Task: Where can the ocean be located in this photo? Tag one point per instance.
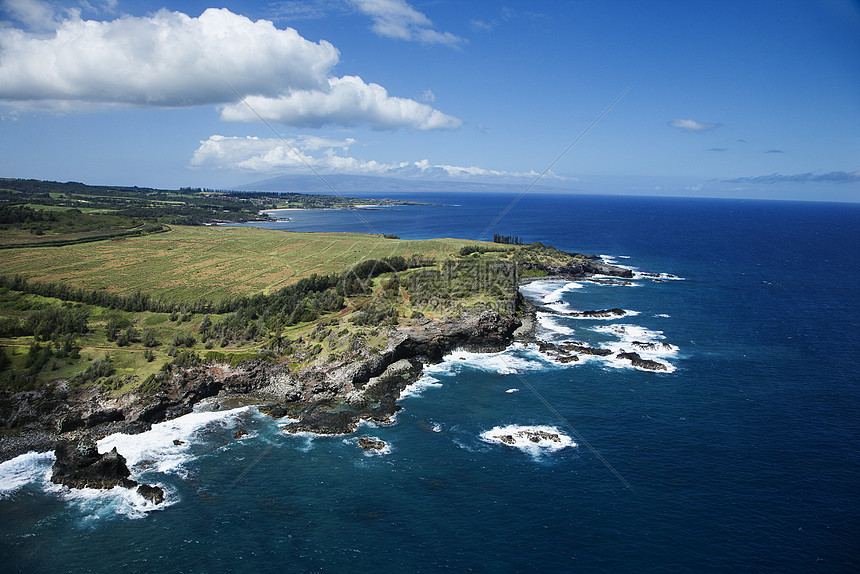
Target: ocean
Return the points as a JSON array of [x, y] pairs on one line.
[[744, 455]]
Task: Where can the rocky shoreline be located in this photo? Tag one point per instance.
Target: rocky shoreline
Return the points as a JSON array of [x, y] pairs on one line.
[[328, 398]]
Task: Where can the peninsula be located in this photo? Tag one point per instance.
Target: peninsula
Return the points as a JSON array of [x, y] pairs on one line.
[[118, 333]]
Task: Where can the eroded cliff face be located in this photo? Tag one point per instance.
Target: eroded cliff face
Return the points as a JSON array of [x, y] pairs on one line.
[[330, 396]]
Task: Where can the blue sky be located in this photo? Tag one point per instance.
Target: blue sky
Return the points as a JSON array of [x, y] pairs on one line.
[[726, 98]]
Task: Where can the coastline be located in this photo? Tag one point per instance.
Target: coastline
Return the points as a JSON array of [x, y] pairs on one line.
[[330, 398]]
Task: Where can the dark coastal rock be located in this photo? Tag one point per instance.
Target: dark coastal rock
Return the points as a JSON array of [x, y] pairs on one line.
[[320, 419], [240, 433], [539, 435], [602, 313], [592, 314], [586, 350], [603, 281], [531, 435], [582, 348], [638, 361], [71, 422], [651, 346], [80, 465], [105, 416], [371, 443], [586, 267], [276, 410], [154, 494]]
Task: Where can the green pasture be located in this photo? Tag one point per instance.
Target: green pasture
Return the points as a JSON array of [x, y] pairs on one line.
[[214, 262]]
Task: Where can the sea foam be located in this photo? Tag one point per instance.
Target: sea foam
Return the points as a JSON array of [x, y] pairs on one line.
[[30, 468], [417, 388], [647, 343], [534, 440], [517, 358], [549, 291], [166, 447], [35, 469], [97, 504]]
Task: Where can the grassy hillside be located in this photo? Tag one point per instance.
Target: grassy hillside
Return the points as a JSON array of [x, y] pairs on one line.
[[188, 263], [285, 296]]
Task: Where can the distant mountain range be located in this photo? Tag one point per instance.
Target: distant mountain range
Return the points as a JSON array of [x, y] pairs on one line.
[[368, 183]]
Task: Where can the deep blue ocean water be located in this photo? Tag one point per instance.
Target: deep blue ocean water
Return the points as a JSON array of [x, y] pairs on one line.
[[743, 458]]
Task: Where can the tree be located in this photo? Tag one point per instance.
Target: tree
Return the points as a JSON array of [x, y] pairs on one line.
[[5, 361]]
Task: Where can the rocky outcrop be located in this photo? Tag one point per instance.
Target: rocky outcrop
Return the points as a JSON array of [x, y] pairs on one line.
[[592, 314], [580, 267], [638, 361], [371, 443], [567, 351], [530, 435], [154, 494], [80, 465]]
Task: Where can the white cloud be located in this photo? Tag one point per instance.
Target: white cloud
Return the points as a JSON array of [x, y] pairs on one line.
[[397, 19], [269, 155], [693, 125], [170, 59], [348, 101], [42, 16], [273, 155]]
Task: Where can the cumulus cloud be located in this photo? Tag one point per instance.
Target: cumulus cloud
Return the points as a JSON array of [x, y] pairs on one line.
[[809, 177], [347, 101], [170, 59], [270, 155], [273, 155], [397, 19], [693, 125]]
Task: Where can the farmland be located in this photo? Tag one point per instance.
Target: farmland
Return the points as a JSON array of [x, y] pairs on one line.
[[278, 289], [188, 263]]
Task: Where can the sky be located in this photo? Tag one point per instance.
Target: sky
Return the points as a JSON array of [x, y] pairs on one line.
[[706, 98]]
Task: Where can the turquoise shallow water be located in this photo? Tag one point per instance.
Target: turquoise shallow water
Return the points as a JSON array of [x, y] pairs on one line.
[[744, 457]]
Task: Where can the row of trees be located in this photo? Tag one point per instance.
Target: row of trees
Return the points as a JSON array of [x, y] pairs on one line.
[[244, 318], [507, 239]]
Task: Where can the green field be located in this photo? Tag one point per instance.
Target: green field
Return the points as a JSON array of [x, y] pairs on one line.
[[189, 263], [107, 289]]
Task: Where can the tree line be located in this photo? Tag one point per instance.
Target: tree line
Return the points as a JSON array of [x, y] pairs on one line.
[[507, 239]]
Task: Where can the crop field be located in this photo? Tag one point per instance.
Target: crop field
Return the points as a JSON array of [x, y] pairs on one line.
[[188, 263]]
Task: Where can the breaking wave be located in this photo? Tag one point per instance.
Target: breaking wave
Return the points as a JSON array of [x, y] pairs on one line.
[[536, 441]]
